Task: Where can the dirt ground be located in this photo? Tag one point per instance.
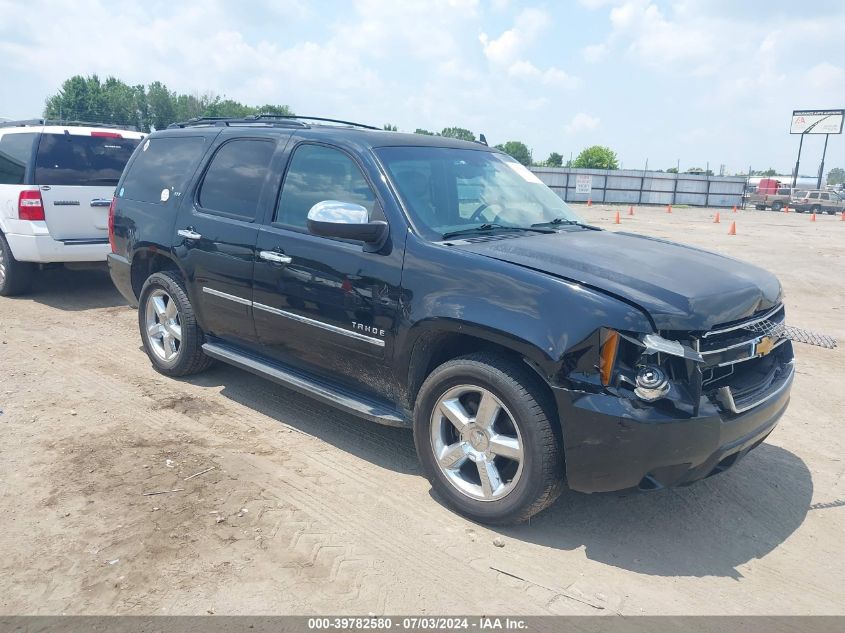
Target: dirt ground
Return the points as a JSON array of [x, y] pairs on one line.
[[308, 510]]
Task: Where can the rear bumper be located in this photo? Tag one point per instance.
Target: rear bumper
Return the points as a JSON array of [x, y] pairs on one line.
[[43, 249], [120, 271], [614, 443]]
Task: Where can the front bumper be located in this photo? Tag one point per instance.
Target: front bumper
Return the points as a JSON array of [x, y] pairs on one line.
[[43, 249], [614, 443]]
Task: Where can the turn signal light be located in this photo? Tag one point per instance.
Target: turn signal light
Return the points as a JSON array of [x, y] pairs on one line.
[[609, 346], [30, 206]]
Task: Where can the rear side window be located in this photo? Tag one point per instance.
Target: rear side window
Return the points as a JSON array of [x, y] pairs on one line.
[[70, 159], [233, 182], [825, 196], [162, 164], [15, 154], [318, 173]]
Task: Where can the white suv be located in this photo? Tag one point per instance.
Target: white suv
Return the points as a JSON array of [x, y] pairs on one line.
[[56, 183]]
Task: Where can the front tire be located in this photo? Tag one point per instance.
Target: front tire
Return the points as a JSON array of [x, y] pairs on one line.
[[485, 440], [169, 331], [15, 276], [777, 205]]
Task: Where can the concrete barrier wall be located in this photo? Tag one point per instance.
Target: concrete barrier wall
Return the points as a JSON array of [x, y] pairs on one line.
[[629, 186]]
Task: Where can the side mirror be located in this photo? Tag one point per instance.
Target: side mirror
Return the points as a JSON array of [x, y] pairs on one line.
[[346, 221]]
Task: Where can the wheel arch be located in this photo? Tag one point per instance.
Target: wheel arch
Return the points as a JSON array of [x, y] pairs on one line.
[[149, 260], [435, 344]]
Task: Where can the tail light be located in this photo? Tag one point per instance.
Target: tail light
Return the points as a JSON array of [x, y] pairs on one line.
[[111, 225], [30, 206], [107, 134]]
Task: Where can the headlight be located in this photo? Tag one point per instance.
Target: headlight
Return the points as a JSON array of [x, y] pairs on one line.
[[652, 383]]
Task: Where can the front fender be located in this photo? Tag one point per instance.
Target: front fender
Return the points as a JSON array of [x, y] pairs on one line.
[[536, 315]]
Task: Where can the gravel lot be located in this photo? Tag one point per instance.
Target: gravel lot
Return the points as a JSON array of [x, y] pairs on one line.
[[308, 510]]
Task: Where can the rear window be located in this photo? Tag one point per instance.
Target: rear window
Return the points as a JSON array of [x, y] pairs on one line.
[[801, 194], [162, 165], [15, 153], [784, 192], [70, 159]]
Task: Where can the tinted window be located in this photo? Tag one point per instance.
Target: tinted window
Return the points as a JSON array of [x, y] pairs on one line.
[[69, 159], [814, 195], [235, 177], [801, 194], [162, 163], [320, 173], [15, 152], [825, 196]]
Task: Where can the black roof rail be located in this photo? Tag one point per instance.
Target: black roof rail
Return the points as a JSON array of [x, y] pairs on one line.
[[319, 119], [41, 122], [281, 120]]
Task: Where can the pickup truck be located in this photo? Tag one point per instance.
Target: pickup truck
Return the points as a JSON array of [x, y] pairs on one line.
[[774, 201]]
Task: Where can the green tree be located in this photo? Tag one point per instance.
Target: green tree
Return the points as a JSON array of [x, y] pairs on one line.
[[597, 157], [768, 173], [419, 130], [554, 160], [389, 127], [836, 176], [672, 170], [154, 107], [517, 150], [458, 133]]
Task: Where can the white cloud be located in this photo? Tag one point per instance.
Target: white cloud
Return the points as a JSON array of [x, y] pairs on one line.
[[595, 52], [506, 48], [581, 122]]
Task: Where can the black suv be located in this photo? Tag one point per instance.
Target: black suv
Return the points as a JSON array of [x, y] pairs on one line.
[[437, 284]]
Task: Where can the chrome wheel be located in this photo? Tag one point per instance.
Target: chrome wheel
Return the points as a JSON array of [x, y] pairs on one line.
[[476, 443], [164, 325]]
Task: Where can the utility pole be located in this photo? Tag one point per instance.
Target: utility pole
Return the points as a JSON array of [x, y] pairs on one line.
[[821, 167]]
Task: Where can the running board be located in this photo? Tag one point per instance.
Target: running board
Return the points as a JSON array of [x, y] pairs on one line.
[[339, 397]]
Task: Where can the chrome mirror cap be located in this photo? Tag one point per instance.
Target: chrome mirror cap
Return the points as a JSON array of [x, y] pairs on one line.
[[337, 212]]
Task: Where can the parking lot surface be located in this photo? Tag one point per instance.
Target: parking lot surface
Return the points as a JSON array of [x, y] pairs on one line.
[[308, 510]]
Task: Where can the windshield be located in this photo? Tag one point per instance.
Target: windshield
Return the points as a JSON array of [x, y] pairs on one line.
[[447, 190]]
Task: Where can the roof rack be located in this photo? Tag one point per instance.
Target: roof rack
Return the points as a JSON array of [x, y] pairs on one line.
[[41, 122], [281, 120]]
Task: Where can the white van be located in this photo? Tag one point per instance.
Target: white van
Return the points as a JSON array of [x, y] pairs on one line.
[[57, 181]]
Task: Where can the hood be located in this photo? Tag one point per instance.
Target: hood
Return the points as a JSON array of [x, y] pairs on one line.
[[680, 287]]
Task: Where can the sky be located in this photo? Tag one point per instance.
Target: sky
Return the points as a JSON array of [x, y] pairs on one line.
[[700, 81]]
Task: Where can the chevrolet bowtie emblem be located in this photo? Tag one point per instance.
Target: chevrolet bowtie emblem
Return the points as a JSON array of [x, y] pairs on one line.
[[764, 346]]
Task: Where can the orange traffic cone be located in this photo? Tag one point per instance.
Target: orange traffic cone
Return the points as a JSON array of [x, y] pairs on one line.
[[618, 221], [716, 220], [733, 229], [734, 208], [786, 209], [813, 218], [843, 216], [631, 210], [589, 202], [668, 208]]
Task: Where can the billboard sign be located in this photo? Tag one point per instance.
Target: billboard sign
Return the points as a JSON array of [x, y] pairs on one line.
[[817, 121], [583, 184]]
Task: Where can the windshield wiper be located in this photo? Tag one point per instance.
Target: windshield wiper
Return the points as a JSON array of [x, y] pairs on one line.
[[488, 226], [559, 222]]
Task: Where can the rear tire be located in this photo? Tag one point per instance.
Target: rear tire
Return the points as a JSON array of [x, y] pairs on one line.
[[15, 276], [506, 463], [169, 331]]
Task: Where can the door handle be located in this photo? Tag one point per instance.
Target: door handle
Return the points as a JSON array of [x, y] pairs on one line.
[[188, 234], [100, 202], [276, 258]]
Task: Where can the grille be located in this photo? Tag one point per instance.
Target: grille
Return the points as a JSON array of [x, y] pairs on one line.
[[746, 362]]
